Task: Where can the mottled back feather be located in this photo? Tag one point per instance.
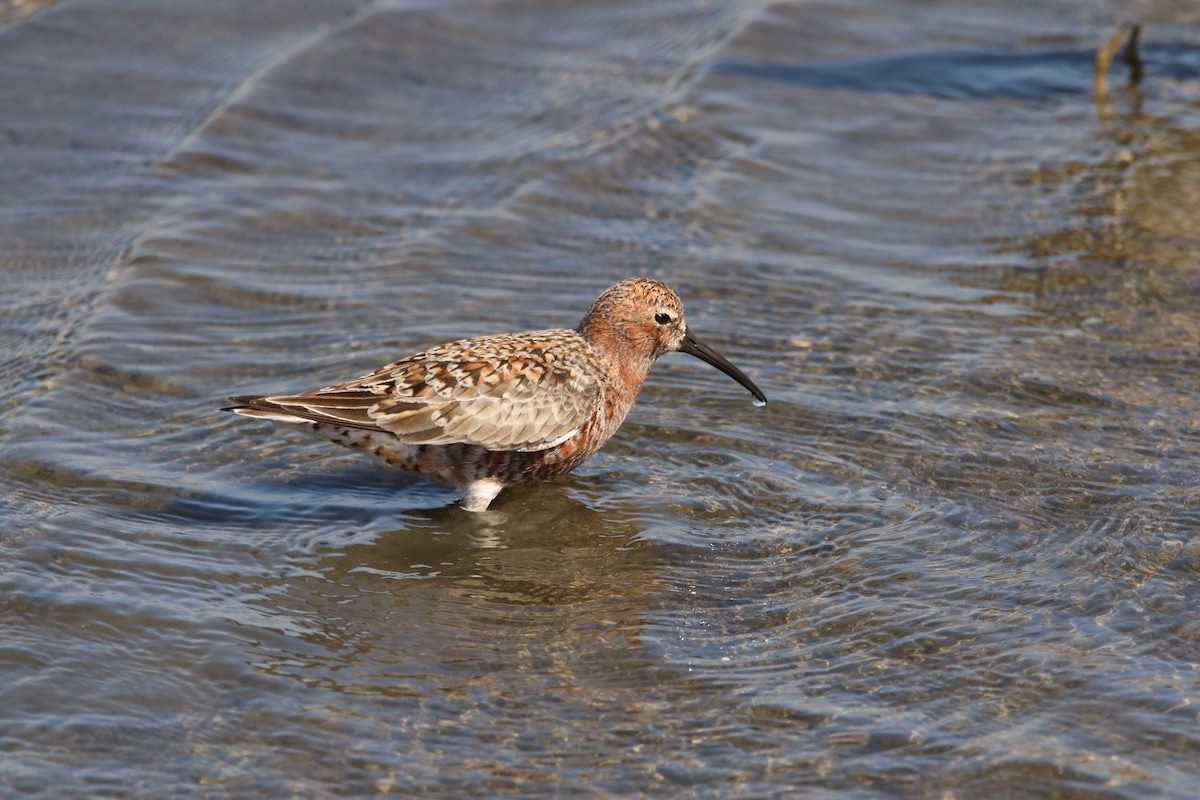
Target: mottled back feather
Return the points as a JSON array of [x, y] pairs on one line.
[[522, 392]]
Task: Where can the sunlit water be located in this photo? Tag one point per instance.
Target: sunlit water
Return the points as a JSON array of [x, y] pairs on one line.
[[954, 557]]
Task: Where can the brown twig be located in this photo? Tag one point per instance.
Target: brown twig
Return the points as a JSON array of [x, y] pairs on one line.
[[1104, 57], [1132, 58]]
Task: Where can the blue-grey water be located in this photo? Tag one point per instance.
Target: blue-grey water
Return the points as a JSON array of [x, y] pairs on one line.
[[955, 557]]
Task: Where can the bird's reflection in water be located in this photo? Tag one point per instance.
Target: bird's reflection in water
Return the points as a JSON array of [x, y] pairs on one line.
[[540, 545], [545, 579]]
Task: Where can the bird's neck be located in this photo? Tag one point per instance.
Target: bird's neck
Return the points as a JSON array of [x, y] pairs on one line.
[[626, 363]]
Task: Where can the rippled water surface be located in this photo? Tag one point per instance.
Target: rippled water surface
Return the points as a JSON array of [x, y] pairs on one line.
[[955, 557]]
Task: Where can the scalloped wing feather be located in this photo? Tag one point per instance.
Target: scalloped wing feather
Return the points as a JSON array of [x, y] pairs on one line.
[[522, 392]]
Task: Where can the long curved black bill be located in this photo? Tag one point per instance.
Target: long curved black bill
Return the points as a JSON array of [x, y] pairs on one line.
[[694, 347]]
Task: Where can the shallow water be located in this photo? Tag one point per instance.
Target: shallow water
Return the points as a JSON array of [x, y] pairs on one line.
[[954, 557]]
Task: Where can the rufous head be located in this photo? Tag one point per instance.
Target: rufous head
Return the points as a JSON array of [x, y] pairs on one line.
[[644, 315], [643, 318]]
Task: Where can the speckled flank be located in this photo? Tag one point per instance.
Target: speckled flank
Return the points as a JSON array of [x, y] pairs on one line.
[[495, 411]]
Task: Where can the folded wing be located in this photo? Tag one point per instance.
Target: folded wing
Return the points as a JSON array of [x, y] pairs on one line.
[[521, 392]]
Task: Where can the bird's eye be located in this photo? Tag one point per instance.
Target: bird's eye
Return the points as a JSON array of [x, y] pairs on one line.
[[662, 318]]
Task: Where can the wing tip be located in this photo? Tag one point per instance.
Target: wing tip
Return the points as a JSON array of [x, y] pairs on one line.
[[298, 409], [241, 402]]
